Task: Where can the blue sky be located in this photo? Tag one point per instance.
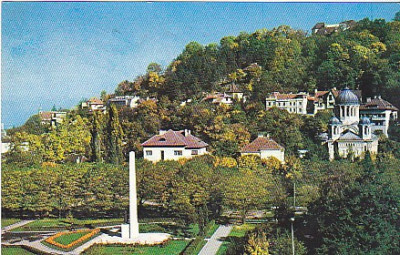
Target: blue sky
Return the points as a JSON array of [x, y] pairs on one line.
[[59, 53]]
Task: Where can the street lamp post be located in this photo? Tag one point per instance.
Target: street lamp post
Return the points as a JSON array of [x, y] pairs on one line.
[[292, 220]]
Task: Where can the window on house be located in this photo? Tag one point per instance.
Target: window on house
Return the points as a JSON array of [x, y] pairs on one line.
[[195, 152], [149, 153], [178, 153]]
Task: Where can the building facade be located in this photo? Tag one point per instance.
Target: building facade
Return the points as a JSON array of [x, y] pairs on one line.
[[173, 145], [349, 135], [264, 147], [380, 112], [293, 103]]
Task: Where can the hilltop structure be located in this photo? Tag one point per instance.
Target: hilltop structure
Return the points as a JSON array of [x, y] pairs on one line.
[[93, 104], [52, 118], [326, 29], [349, 135], [173, 145]]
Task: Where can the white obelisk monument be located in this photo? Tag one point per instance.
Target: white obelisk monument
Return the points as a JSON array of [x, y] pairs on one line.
[[131, 230]]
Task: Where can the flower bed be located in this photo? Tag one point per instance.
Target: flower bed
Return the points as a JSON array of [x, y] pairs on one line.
[[89, 233]]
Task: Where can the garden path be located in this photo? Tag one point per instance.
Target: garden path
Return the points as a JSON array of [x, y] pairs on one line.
[[216, 241], [15, 225]]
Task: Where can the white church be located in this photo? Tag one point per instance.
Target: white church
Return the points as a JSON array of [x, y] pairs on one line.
[[348, 133]]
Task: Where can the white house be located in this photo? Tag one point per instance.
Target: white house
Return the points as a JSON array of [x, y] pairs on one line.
[[173, 145], [349, 134], [264, 147], [380, 112], [293, 103]]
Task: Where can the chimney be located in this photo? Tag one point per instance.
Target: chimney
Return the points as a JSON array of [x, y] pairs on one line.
[[379, 97], [161, 132], [368, 99], [374, 97], [315, 91], [187, 132], [260, 135]]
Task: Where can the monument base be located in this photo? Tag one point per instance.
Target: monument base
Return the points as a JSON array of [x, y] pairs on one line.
[[141, 239]]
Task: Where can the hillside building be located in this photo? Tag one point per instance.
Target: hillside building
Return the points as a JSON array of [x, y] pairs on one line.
[[129, 101], [173, 145], [264, 147], [93, 104], [380, 112], [293, 103], [326, 29], [52, 118]]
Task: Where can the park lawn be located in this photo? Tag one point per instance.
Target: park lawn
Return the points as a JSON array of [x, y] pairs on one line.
[[240, 231], [62, 223], [173, 229], [69, 238], [7, 222], [14, 251], [173, 247]]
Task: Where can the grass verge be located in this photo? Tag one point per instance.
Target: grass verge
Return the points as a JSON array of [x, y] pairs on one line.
[[7, 222]]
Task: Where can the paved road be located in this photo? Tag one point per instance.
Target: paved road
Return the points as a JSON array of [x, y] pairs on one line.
[[215, 241], [15, 225]]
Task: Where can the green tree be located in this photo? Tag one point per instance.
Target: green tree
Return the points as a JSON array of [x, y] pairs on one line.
[[245, 191], [360, 220], [114, 137]]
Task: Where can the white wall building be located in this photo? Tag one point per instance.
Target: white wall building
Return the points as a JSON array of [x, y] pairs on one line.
[[264, 147], [348, 134], [293, 103], [380, 112], [173, 145]]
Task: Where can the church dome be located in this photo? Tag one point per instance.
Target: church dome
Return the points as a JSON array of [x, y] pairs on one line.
[[334, 120], [365, 120], [346, 96]]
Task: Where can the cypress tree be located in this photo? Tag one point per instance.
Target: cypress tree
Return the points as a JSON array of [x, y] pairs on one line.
[[95, 142], [114, 137]]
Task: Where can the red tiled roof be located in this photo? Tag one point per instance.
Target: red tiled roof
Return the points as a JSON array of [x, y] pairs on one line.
[[261, 143], [45, 115], [173, 138], [321, 93], [95, 101], [379, 104]]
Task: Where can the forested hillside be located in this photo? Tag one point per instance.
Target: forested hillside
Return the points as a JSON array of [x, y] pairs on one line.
[[365, 57]]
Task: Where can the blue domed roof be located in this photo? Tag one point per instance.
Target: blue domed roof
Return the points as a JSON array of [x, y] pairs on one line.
[[334, 120], [346, 96], [365, 120]]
